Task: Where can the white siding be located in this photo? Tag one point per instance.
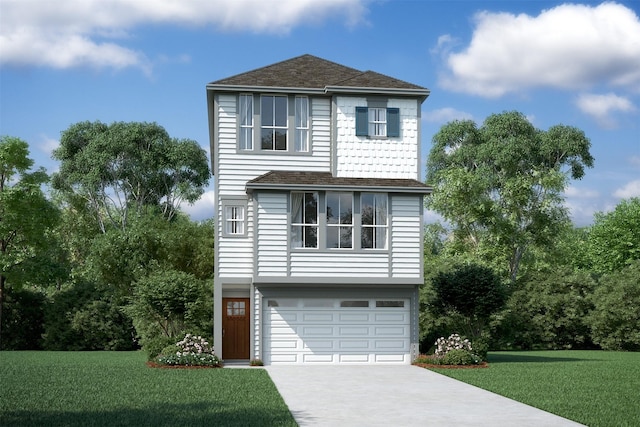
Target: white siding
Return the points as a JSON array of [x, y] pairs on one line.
[[366, 157], [271, 235], [235, 169], [406, 245], [235, 254], [339, 264]]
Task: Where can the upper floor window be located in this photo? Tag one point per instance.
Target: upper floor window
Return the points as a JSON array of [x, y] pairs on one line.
[[304, 220], [377, 122], [373, 211], [274, 115], [339, 220], [302, 124], [246, 122]]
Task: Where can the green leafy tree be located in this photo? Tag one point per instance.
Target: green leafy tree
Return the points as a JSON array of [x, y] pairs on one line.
[[500, 185], [26, 216], [169, 303], [614, 238], [615, 320], [113, 170], [468, 295]]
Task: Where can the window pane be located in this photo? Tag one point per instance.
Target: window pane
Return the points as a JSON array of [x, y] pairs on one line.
[[246, 110], [332, 237], [381, 237], [302, 140], [267, 139], [280, 107], [383, 304], [281, 139], [310, 237], [302, 112], [367, 208], [346, 240], [367, 238], [266, 110], [310, 208], [354, 303]]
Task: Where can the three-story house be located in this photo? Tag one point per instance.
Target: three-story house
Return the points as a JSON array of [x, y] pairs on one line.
[[319, 214]]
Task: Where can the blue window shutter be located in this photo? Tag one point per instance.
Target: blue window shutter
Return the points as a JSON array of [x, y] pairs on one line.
[[362, 121], [393, 122]]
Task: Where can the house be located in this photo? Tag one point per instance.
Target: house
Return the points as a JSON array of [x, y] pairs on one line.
[[319, 214]]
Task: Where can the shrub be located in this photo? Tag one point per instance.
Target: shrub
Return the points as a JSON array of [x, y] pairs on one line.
[[458, 357], [454, 342], [256, 362], [615, 320], [191, 351], [22, 320]]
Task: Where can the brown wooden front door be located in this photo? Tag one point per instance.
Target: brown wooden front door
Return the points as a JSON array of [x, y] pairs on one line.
[[235, 328]]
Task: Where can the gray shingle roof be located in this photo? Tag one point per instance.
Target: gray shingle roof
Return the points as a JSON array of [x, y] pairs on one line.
[[291, 180], [311, 72]]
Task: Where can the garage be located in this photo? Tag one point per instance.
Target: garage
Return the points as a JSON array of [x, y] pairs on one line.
[[336, 331]]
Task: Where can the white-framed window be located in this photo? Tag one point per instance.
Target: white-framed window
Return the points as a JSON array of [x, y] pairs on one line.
[[302, 124], [339, 220], [374, 217], [377, 122], [246, 122], [234, 218], [274, 122], [304, 220]]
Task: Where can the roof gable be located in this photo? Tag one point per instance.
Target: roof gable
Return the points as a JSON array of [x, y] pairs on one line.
[[310, 72]]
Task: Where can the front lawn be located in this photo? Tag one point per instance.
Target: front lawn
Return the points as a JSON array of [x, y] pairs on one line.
[[596, 388], [117, 388]]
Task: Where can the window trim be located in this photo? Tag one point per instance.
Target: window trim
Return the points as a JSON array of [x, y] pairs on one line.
[[234, 203]]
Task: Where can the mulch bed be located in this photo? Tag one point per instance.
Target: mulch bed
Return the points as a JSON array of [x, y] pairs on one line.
[[433, 366], [161, 366]]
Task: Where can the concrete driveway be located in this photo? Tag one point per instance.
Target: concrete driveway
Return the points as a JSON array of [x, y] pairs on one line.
[[396, 396]]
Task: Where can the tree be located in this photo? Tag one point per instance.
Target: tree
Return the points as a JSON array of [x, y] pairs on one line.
[[500, 186], [26, 216], [614, 238], [469, 292], [113, 170]]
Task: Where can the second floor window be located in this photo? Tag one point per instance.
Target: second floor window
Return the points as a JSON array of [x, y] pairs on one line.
[[374, 221], [234, 217], [378, 122], [304, 220], [273, 112], [339, 220]]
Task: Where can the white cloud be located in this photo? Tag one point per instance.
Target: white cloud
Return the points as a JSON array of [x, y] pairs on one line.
[[445, 115], [601, 107], [92, 33], [569, 46], [581, 193], [47, 145], [631, 189], [203, 208]]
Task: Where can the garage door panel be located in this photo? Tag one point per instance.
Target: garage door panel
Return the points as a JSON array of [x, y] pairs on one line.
[[354, 358], [318, 317], [396, 331], [282, 344], [318, 358], [390, 317], [313, 331], [319, 345], [353, 330], [390, 344], [283, 316], [354, 317]]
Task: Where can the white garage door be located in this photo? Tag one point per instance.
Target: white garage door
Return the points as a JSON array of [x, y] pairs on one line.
[[321, 331]]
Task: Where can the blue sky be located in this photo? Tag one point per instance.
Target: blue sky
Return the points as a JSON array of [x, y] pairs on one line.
[[576, 64]]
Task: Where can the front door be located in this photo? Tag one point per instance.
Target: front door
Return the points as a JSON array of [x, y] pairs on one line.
[[235, 328]]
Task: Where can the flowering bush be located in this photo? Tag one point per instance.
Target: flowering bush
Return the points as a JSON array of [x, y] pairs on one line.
[[454, 351], [454, 342], [191, 351]]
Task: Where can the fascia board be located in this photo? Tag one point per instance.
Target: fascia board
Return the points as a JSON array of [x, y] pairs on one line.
[[266, 89], [297, 187]]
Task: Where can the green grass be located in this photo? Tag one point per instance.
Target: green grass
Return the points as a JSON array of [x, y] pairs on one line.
[[595, 388], [118, 389]]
